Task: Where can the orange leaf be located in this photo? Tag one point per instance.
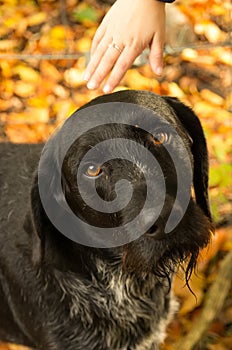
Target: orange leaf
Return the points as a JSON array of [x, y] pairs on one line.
[[49, 71], [22, 133]]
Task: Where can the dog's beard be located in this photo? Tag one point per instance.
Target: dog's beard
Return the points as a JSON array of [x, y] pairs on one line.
[[181, 246]]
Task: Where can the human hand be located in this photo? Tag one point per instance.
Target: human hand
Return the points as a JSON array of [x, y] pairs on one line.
[[126, 30]]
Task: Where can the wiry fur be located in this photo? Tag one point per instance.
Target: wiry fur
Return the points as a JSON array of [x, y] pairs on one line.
[[56, 294]]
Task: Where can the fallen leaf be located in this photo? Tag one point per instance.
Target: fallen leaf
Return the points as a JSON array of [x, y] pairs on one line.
[[24, 89], [37, 18], [210, 30], [49, 71], [211, 97], [74, 77], [26, 73], [135, 80], [23, 133]]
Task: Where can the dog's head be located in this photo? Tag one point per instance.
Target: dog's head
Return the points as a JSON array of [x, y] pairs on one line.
[[173, 226]]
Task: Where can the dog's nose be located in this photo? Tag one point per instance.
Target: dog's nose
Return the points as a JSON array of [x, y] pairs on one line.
[[158, 229]]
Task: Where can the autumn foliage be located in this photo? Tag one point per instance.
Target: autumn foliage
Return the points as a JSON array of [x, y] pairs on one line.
[[44, 48]]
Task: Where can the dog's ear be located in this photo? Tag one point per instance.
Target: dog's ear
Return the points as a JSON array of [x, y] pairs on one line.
[[193, 126], [35, 224]]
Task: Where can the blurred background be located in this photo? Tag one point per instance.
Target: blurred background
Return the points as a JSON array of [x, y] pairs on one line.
[[44, 48]]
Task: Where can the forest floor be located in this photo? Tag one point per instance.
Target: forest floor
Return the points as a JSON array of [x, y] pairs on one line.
[[44, 48]]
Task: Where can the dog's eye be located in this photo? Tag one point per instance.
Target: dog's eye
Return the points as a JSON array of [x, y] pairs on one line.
[[93, 170], [160, 138]]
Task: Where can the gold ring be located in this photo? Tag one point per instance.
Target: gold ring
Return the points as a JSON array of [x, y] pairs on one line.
[[114, 46]]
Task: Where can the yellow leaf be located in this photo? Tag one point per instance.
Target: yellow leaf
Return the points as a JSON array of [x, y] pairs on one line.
[[24, 89], [37, 18], [38, 102], [6, 69], [58, 38], [189, 55], [8, 45], [60, 91], [223, 55], [27, 74], [74, 77], [62, 109], [175, 90], [83, 44], [135, 80], [212, 97], [7, 88], [211, 31], [204, 108]]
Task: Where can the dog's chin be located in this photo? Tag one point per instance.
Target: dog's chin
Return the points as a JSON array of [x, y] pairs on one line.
[[141, 256], [158, 255]]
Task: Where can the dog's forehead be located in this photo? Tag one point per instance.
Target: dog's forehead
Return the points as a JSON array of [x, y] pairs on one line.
[[124, 114]]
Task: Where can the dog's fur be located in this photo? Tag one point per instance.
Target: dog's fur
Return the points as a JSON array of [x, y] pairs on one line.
[[56, 294]]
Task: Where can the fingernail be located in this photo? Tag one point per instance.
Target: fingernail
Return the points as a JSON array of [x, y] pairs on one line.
[[91, 85], [86, 76], [107, 89], [159, 70]]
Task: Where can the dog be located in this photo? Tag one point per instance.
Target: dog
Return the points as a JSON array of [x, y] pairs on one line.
[[57, 293]]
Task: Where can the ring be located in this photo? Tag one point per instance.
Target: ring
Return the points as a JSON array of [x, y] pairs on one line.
[[114, 46]]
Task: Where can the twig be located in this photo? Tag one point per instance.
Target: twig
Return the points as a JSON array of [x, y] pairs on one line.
[[215, 299]]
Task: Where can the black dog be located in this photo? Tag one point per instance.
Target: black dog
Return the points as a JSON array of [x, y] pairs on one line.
[[58, 294]]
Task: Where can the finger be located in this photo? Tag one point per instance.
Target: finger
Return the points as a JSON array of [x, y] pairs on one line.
[[104, 67], [95, 60], [98, 36], [156, 54], [123, 63]]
